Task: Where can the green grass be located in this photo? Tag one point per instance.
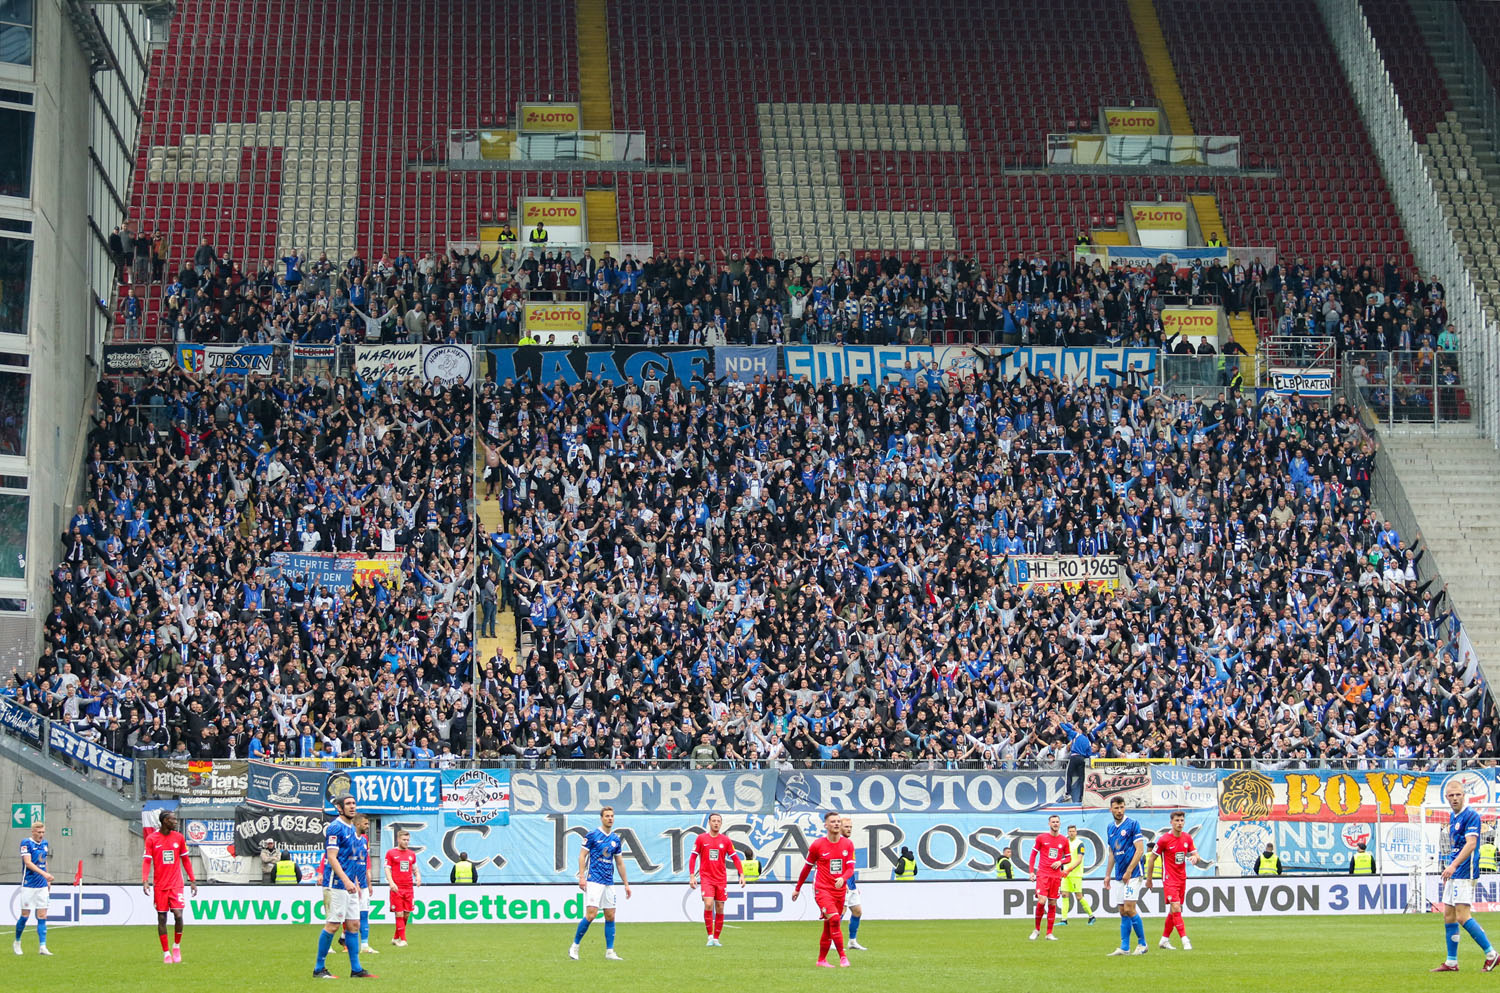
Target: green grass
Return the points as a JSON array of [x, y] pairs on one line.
[[1285, 955]]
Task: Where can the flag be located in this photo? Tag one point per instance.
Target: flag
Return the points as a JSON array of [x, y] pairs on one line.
[[78, 876]]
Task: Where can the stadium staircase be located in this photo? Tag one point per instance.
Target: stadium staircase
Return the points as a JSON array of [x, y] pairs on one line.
[[1451, 481], [1241, 326], [491, 520], [1159, 63], [593, 65]]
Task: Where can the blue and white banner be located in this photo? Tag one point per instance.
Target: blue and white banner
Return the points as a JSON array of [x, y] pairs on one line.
[[1181, 258], [746, 362], [327, 569], [287, 787], [1305, 382], [209, 832], [448, 364], [1100, 366], [388, 791], [82, 750], [872, 365], [476, 796], [693, 367], [240, 360], [1179, 786], [913, 791], [742, 791], [16, 718]]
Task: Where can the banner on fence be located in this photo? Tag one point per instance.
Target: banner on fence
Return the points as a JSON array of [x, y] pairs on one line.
[[957, 791], [693, 367], [746, 362], [1304, 382], [373, 363], [126, 359], [253, 824], [1128, 781], [1141, 256], [239, 360], [1179, 786], [642, 792], [448, 364], [287, 787], [388, 791], [1051, 572], [80, 749], [476, 796], [209, 832], [19, 720], [1340, 796], [205, 779]]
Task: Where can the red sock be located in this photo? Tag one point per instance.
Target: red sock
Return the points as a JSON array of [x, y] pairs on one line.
[[1051, 916], [163, 937], [1181, 926], [708, 921], [836, 926], [1168, 925], [178, 939], [1039, 905], [718, 923], [824, 942]]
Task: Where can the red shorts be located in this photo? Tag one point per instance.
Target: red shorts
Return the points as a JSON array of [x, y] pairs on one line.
[[1172, 892], [401, 901], [1047, 887], [831, 902], [714, 891], [167, 899]]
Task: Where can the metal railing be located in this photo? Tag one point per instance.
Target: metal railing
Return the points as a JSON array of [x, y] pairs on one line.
[[1159, 150], [1412, 388], [493, 146]]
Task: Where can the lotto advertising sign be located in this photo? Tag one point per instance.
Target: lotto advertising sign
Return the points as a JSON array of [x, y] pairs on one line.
[[1159, 216], [549, 117], [563, 218], [1132, 120], [1194, 322], [566, 318]]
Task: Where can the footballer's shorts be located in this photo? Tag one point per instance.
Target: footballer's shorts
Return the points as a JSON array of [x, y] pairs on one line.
[[1458, 891], [1124, 890], [1047, 887], [717, 892], [851, 899], [35, 898], [1072, 884], [830, 902], [167, 899], [401, 901], [341, 906], [601, 895], [1173, 892]]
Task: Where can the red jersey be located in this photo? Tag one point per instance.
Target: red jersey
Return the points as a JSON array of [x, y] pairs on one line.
[[400, 867], [1049, 855], [711, 857], [834, 859], [166, 854], [1175, 850]]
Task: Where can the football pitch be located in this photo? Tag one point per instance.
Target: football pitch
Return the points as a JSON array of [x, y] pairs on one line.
[[1285, 955]]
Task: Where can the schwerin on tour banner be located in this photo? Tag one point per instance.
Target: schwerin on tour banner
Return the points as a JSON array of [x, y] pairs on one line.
[[759, 902]]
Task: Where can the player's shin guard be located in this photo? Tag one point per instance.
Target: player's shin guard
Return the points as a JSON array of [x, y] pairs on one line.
[[1477, 933], [1181, 925], [163, 937], [351, 945], [1037, 916], [1450, 931], [1051, 916], [609, 935], [1125, 932], [583, 927], [1083, 901], [41, 930], [400, 926], [1169, 925], [854, 928], [718, 923], [20, 927], [1139, 926], [708, 922], [325, 942], [825, 939], [364, 927], [836, 932]]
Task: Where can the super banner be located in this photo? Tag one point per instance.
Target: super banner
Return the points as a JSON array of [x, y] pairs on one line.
[[873, 365], [746, 791], [693, 367], [1340, 796], [80, 749], [204, 779]]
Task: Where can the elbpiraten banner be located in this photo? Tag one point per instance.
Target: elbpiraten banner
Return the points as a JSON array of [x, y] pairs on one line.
[[544, 848]]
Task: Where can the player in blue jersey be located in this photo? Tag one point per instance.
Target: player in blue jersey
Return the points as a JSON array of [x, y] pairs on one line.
[[366, 892], [853, 900], [35, 883], [1458, 880], [1122, 867], [598, 860], [341, 875]]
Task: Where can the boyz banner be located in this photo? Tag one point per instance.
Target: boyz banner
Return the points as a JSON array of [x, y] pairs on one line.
[[968, 792], [544, 848], [693, 367], [746, 362], [287, 787], [748, 791], [16, 718], [80, 749], [388, 791], [1341, 796]]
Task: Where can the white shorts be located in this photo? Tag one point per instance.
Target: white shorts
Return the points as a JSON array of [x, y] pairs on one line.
[[1122, 891], [35, 898], [851, 898], [1456, 891], [340, 905], [599, 895]]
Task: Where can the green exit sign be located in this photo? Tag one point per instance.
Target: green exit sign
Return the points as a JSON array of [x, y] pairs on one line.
[[23, 815]]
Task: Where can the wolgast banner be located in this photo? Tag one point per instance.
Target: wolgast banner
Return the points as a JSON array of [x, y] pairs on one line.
[[288, 828], [207, 779]]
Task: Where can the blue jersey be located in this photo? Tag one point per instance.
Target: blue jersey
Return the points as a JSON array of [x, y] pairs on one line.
[[602, 849], [38, 850], [1122, 840], [1461, 827], [345, 842], [361, 873]]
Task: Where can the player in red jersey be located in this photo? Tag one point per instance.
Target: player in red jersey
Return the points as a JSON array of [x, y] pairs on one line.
[[712, 853], [403, 874], [1176, 850], [833, 857], [166, 855], [1051, 859]]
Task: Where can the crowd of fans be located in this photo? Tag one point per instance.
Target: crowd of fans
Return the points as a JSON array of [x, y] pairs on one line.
[[755, 572]]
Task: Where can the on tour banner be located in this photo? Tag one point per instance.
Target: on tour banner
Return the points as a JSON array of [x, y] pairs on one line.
[[572, 318], [760, 902], [1341, 796], [693, 367], [1132, 120], [1193, 321], [544, 848], [549, 117]]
